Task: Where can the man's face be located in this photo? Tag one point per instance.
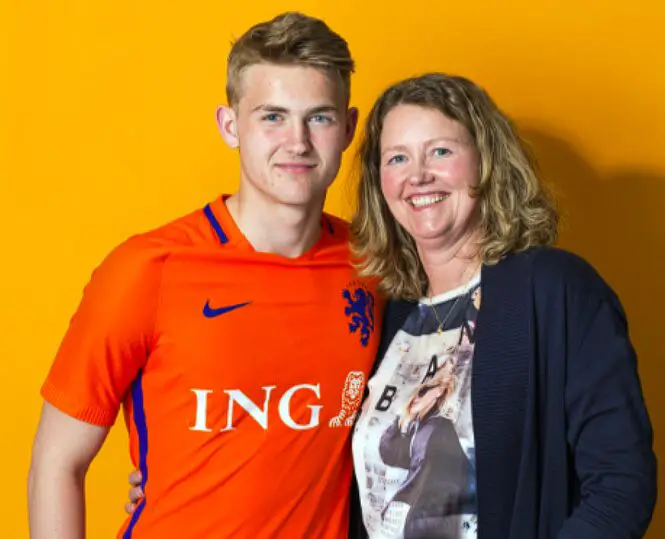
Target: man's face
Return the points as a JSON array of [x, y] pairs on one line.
[[291, 125]]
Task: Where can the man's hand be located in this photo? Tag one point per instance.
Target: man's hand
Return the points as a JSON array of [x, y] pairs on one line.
[[135, 492]]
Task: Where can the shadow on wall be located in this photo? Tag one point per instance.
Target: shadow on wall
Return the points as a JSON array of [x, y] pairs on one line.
[[616, 222]]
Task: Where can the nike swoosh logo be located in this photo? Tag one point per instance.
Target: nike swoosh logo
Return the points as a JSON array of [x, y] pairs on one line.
[[209, 312]]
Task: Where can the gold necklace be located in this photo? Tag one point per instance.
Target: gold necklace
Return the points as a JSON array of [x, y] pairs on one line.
[[439, 329]]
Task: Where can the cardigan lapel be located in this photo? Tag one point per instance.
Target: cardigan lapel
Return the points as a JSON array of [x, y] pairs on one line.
[[499, 389]]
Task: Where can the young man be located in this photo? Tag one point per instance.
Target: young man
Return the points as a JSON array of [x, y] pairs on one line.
[[236, 338]]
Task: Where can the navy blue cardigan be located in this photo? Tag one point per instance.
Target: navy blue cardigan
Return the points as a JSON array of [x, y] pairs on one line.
[[563, 439]]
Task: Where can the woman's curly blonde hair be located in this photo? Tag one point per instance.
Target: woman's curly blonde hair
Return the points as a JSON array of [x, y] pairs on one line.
[[516, 211]]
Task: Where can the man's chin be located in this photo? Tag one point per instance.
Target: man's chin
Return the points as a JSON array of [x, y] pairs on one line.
[[301, 197]]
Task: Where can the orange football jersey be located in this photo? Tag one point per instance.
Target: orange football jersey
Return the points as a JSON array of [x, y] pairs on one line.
[[239, 373]]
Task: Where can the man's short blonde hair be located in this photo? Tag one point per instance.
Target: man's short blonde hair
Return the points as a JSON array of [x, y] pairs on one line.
[[290, 39]]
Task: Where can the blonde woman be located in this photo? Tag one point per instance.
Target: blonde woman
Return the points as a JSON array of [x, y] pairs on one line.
[[554, 426]]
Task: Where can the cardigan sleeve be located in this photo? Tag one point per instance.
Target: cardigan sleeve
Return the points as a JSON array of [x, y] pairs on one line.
[[609, 431]]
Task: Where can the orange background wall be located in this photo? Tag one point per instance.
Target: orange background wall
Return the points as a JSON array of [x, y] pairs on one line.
[[107, 128]]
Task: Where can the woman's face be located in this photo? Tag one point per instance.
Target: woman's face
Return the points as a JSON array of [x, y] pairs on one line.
[[428, 164], [425, 399]]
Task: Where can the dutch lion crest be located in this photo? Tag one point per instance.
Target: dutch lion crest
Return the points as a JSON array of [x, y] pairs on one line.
[[360, 310]]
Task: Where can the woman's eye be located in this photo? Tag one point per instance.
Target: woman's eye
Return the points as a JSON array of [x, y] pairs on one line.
[[441, 152], [396, 159]]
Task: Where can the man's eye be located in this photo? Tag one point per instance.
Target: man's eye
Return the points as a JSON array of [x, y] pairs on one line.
[[321, 119], [271, 117]]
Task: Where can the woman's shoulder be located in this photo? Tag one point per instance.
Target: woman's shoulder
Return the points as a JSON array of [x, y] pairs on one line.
[[554, 268]]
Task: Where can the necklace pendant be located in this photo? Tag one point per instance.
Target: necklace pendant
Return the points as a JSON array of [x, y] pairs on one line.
[[439, 330]]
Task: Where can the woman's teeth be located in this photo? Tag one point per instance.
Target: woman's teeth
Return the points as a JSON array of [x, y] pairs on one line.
[[426, 200]]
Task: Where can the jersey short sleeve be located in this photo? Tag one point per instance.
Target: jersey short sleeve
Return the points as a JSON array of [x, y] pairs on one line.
[[109, 337]]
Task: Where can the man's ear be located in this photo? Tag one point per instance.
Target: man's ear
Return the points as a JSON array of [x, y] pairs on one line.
[[351, 125], [227, 124]]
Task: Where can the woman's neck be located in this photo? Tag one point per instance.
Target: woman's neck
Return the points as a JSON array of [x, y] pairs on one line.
[[451, 267]]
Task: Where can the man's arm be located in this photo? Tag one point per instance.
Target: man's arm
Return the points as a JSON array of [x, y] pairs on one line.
[[106, 345], [63, 449]]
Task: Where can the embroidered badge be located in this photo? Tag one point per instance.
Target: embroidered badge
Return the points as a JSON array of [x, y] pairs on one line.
[[359, 310]]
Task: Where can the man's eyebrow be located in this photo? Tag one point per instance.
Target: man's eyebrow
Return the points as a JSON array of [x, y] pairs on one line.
[[266, 107], [270, 108], [323, 108]]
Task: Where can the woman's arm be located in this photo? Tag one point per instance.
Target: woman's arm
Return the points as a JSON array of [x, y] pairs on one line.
[[609, 432]]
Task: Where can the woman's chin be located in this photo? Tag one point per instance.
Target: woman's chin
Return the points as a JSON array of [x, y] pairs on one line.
[[428, 239]]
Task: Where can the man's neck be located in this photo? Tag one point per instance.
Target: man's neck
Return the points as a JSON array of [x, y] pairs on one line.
[[269, 227]]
